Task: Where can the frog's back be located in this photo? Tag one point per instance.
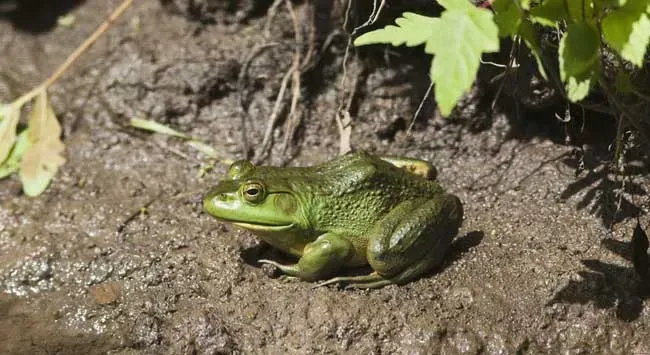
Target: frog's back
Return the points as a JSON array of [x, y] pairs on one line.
[[360, 188]]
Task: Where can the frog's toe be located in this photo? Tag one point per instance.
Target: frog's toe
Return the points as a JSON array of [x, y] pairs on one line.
[[373, 284], [270, 262], [331, 281], [373, 280]]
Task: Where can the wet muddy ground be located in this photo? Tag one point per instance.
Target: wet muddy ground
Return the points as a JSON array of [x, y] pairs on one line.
[[534, 270]]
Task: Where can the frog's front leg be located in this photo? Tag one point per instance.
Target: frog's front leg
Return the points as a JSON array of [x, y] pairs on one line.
[[320, 258]]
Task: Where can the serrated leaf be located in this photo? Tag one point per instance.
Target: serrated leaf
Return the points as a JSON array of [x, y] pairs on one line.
[[43, 158], [578, 54], [462, 38], [506, 16], [640, 258], [577, 87], [627, 30], [12, 163], [550, 13], [578, 49], [530, 36], [458, 5], [412, 30], [154, 126], [8, 124]]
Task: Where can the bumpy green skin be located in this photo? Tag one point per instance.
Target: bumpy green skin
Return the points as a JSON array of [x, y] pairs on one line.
[[357, 209]]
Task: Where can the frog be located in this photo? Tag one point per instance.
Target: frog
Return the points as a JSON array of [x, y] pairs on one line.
[[359, 209]]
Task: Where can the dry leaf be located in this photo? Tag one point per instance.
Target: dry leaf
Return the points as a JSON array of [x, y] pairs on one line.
[[42, 120], [10, 115], [41, 161]]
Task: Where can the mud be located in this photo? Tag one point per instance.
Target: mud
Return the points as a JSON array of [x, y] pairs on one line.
[[117, 256]]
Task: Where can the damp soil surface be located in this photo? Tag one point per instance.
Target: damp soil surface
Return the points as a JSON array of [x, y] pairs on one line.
[[118, 257]]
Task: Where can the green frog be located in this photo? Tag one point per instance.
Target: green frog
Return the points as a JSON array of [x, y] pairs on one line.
[[358, 209]]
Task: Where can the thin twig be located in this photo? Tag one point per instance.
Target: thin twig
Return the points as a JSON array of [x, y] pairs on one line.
[[241, 83], [277, 107], [514, 52], [273, 118], [294, 118], [270, 15], [344, 119], [305, 65], [417, 112]]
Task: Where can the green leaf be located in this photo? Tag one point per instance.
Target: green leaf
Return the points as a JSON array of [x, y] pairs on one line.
[[8, 125], [577, 87], [154, 126], [580, 10], [578, 54], [530, 35], [627, 30], [12, 163], [41, 161], [463, 36], [611, 3], [203, 148], [456, 39], [507, 17], [412, 30], [550, 13], [457, 5]]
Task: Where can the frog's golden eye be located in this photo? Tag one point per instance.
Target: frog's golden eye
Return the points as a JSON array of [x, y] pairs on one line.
[[253, 192]]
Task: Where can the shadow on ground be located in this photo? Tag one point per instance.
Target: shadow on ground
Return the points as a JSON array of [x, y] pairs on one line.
[[607, 195], [35, 16], [609, 285]]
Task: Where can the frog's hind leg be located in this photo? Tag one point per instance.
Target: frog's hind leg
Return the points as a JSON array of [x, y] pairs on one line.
[[408, 242], [414, 237]]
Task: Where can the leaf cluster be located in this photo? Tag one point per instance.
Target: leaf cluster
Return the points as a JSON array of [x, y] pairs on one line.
[[586, 28], [457, 39], [36, 152]]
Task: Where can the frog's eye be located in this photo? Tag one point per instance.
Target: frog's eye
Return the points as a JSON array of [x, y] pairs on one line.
[[253, 192]]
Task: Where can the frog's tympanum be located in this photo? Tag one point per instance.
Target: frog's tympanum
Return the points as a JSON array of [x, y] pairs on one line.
[[355, 210]]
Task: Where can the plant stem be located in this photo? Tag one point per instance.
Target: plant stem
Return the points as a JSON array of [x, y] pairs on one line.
[[75, 55]]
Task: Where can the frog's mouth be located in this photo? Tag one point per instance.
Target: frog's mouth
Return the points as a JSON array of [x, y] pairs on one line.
[[263, 227]]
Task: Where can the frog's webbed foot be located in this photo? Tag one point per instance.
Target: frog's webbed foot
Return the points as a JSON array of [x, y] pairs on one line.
[[372, 280], [291, 270]]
